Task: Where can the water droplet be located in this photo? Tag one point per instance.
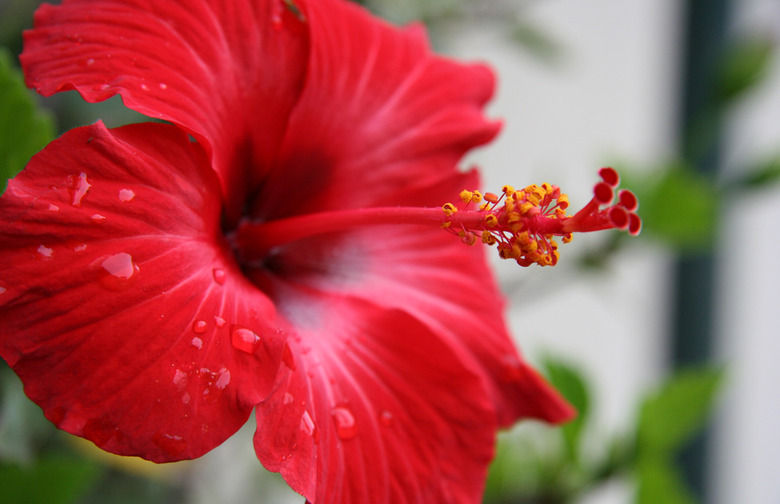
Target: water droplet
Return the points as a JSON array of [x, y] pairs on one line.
[[308, 426], [219, 276], [287, 357], [79, 187], [180, 379], [104, 87], [223, 379], [80, 248], [200, 326], [144, 87], [97, 217], [288, 398], [126, 195], [386, 418], [170, 444], [219, 321], [197, 342], [346, 428], [244, 339], [100, 430], [215, 383], [163, 85], [45, 251], [90, 61], [54, 208], [185, 398], [119, 271]]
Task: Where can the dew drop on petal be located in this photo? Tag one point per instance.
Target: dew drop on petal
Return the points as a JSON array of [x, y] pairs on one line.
[[170, 444], [287, 357], [346, 428], [90, 61], [244, 339], [200, 326], [144, 87], [223, 379], [118, 271], [185, 398], [219, 321], [307, 425], [45, 252], [180, 379], [54, 208], [97, 217], [126, 195], [197, 342], [80, 248], [288, 398], [386, 418], [79, 188], [163, 85], [219, 276]]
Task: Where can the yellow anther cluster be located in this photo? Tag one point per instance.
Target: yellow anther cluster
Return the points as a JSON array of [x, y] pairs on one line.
[[470, 196], [520, 227]]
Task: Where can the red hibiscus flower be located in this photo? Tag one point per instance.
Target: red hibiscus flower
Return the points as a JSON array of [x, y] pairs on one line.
[[277, 248]]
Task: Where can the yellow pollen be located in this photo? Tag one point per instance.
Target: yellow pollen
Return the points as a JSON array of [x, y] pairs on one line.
[[449, 209], [466, 196], [491, 220]]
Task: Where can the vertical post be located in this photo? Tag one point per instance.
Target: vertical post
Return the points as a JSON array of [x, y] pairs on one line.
[[695, 273]]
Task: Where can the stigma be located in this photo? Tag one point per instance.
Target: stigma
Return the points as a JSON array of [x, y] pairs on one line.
[[523, 224]]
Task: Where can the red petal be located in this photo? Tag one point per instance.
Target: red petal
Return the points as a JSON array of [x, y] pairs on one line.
[[432, 276], [228, 72], [450, 288], [375, 408], [379, 113], [119, 302]]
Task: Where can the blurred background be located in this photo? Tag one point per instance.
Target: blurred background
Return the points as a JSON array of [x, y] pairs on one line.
[[667, 342]]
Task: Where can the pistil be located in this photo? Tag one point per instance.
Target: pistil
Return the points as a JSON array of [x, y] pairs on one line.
[[521, 223]]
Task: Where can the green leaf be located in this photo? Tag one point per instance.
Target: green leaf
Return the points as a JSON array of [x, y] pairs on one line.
[[745, 65], [659, 482], [571, 384], [24, 129], [680, 207], [678, 409], [54, 479], [764, 173]]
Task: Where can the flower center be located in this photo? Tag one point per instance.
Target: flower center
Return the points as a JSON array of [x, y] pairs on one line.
[[522, 223]]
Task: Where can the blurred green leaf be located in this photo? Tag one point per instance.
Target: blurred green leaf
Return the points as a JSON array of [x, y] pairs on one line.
[[54, 479], [24, 129], [659, 482], [745, 65], [680, 207], [762, 174], [570, 382], [678, 409], [22, 424], [538, 42]]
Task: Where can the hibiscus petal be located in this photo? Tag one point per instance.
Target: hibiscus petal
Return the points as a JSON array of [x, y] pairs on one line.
[[119, 306], [432, 276], [379, 112], [228, 72], [375, 408]]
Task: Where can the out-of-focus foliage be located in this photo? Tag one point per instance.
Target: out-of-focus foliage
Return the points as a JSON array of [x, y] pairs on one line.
[[24, 129], [537, 464]]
